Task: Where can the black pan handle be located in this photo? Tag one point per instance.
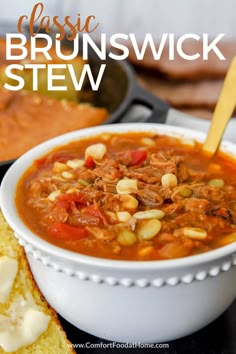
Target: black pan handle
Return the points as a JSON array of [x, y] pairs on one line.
[[159, 108]]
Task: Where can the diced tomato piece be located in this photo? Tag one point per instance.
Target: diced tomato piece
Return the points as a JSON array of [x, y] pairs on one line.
[[61, 156], [41, 161], [133, 157], [67, 232], [94, 210], [138, 157], [89, 163], [65, 200]]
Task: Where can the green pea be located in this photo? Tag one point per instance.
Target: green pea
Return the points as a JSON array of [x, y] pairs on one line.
[[126, 237], [216, 182], [185, 192], [83, 182]]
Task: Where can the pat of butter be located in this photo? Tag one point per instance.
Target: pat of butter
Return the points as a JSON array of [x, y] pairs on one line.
[[8, 271], [32, 325]]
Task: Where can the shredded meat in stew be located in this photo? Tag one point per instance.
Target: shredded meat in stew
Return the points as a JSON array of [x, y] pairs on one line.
[[133, 196]]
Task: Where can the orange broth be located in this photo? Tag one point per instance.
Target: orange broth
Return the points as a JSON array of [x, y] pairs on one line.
[[74, 198]]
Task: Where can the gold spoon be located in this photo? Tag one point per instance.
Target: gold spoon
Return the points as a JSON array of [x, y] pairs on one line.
[[223, 111]]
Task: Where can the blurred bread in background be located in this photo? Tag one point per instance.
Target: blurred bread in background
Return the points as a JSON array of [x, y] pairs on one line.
[[190, 86], [24, 116]]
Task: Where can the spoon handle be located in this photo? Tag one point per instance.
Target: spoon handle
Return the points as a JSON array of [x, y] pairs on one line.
[[223, 111]]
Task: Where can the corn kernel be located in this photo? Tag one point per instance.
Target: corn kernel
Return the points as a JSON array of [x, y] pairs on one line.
[[53, 196], [127, 186], [148, 142], [126, 237], [59, 167], [96, 151], [128, 201], [67, 175], [76, 163], [123, 216], [72, 190], [169, 180]]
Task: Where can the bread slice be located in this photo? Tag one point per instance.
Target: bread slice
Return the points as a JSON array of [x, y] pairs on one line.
[[28, 119], [53, 340]]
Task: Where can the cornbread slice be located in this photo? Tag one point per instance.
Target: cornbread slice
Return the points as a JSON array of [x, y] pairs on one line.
[[53, 340], [28, 119]]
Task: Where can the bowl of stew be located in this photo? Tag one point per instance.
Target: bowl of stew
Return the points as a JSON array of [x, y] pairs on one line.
[[129, 229]]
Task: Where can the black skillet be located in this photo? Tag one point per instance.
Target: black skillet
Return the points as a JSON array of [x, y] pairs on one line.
[[117, 93]]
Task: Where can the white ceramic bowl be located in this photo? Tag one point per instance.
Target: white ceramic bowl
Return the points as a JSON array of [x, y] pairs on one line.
[[153, 301]]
